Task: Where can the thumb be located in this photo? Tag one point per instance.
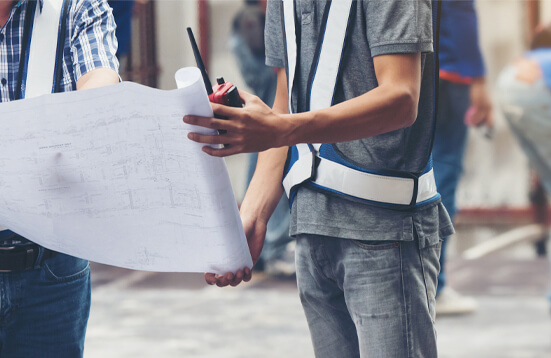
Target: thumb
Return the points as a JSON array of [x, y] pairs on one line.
[[245, 96]]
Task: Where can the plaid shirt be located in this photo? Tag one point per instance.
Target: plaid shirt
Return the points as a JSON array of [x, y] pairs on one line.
[[90, 43]]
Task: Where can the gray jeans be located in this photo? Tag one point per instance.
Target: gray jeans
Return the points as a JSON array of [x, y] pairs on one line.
[[368, 298]]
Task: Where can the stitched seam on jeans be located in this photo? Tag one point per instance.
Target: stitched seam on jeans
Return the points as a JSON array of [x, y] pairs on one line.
[[387, 245], [333, 276], [315, 261], [425, 278], [61, 279], [405, 315]]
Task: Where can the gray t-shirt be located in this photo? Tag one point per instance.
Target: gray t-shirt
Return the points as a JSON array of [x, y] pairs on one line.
[[378, 27]]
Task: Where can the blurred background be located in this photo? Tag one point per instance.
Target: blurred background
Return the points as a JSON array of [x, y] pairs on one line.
[[498, 256]]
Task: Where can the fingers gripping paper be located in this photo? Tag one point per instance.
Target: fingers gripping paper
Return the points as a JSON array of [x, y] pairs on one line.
[[109, 175]]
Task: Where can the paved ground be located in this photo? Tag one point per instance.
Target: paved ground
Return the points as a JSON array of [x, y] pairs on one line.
[[137, 314]]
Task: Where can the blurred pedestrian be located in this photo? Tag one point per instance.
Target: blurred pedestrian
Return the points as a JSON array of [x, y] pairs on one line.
[[524, 97], [247, 45], [463, 98]]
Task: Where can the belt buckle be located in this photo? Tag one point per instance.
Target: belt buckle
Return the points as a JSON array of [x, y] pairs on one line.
[[29, 260], [7, 248]]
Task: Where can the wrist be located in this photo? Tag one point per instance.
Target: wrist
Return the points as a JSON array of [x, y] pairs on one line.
[[252, 213], [288, 130]]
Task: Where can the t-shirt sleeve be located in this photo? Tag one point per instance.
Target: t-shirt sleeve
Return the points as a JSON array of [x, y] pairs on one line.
[[273, 35], [398, 26], [93, 41]]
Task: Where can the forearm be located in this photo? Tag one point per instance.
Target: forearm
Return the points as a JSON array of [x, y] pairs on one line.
[[390, 106], [265, 189], [98, 78], [382, 110]]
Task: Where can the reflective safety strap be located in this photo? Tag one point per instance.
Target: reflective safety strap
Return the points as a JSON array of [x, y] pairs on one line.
[[42, 53], [291, 43], [374, 187], [301, 170], [307, 165], [348, 181], [327, 69]]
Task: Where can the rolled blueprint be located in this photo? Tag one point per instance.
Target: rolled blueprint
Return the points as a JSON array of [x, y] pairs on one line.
[[109, 175]]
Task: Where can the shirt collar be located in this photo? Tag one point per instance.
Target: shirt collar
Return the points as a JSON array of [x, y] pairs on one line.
[[21, 2]]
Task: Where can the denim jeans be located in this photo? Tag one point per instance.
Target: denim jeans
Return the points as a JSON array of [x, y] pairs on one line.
[[448, 150], [368, 298], [44, 311]]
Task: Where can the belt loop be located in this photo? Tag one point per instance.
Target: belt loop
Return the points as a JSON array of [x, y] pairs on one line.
[[315, 162], [39, 256], [415, 191], [29, 262]]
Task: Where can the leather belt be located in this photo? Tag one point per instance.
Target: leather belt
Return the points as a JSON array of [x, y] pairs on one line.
[[22, 257]]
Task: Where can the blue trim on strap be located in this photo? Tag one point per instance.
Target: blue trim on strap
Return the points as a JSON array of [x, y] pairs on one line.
[[428, 168], [328, 152]]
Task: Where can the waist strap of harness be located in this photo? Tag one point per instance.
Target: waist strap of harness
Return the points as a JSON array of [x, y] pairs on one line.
[[370, 186]]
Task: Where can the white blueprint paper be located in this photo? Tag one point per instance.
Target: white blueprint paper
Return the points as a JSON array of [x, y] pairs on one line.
[[109, 175]]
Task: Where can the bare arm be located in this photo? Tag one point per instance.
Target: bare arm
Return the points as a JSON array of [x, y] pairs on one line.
[[265, 189], [262, 196], [255, 128], [481, 105], [98, 78]]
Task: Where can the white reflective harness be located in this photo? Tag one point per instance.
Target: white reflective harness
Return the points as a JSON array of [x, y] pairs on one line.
[[41, 65], [306, 163]]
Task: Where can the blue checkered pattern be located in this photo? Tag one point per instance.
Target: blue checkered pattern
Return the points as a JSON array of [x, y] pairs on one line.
[[90, 43]]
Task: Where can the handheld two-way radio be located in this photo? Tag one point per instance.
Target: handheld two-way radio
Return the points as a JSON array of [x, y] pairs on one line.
[[224, 92]]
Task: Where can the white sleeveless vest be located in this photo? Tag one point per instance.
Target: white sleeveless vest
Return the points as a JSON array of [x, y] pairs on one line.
[[319, 165]]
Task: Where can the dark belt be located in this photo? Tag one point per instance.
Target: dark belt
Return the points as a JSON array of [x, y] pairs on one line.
[[22, 257]]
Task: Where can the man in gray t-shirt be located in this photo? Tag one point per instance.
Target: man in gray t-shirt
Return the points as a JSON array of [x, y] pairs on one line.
[[366, 273]]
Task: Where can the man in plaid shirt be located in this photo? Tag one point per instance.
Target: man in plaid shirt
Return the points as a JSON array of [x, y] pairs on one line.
[[44, 295]]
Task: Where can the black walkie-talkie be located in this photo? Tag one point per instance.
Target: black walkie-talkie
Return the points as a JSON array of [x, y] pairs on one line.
[[223, 92]]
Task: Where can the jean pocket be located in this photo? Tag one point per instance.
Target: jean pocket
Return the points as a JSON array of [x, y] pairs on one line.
[[374, 245], [65, 268]]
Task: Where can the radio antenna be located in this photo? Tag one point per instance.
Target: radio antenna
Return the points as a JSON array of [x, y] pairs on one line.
[[199, 61]]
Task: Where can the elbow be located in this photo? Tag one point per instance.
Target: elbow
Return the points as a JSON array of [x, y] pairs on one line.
[[407, 106]]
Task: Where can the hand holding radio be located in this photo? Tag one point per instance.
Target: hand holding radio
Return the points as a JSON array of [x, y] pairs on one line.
[[253, 128]]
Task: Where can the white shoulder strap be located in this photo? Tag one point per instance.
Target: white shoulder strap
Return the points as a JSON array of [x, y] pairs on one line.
[[291, 43], [327, 69], [332, 39], [42, 53]]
